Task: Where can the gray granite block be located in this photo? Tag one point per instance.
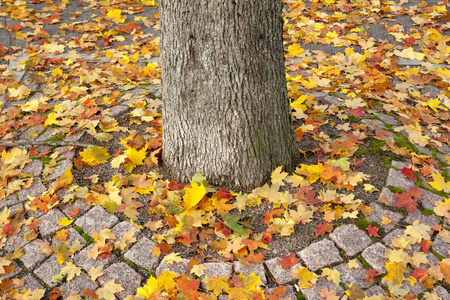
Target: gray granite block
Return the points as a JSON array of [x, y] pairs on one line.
[[73, 236], [258, 269], [217, 269], [378, 213], [141, 254], [376, 290], [122, 274], [32, 254], [31, 283], [387, 240], [49, 222], [60, 169], [397, 179], [441, 247], [314, 292], [49, 268], [123, 227], [441, 292], [350, 239], [96, 220], [179, 268], [35, 190], [34, 168], [430, 220], [320, 254], [13, 273], [355, 277], [81, 259], [428, 199], [78, 284], [386, 197], [374, 255], [279, 273]]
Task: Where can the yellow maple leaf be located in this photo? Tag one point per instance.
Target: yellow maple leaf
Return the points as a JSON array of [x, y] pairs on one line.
[[198, 270], [136, 157], [65, 221], [20, 93], [249, 286], [51, 119], [306, 279], [217, 284], [166, 280], [115, 15], [95, 273], [312, 172], [108, 290], [193, 195], [95, 155], [331, 275], [278, 176], [439, 183], [294, 50], [148, 289], [173, 258], [396, 271], [102, 236]]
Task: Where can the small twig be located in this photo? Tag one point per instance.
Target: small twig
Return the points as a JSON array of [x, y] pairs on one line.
[[46, 143]]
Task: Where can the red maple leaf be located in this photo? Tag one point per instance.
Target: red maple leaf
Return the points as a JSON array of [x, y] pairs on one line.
[[409, 41], [323, 228], [188, 287], [420, 274], [307, 194], [408, 172], [425, 244], [406, 200], [373, 231], [288, 261], [357, 112], [370, 275]]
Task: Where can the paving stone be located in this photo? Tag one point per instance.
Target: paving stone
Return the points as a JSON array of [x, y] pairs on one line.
[[428, 199], [430, 220], [415, 289], [49, 268], [13, 210], [217, 269], [397, 233], [397, 179], [16, 271], [290, 293], [314, 292], [378, 213], [32, 254], [279, 273], [441, 247], [96, 220], [34, 168], [373, 124], [123, 227], [35, 190], [31, 283], [441, 292], [65, 153], [72, 238], [353, 276], [16, 240], [350, 239], [320, 254], [49, 222], [374, 255], [75, 204], [331, 100], [388, 119], [122, 274], [141, 254], [31, 133], [79, 284], [424, 150], [81, 259], [8, 201], [118, 110], [74, 137], [399, 164], [386, 197], [179, 268], [258, 269], [374, 291], [60, 169]]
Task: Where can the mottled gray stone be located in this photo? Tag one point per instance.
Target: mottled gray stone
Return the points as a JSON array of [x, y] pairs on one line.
[[141, 254], [179, 268], [16, 240], [392, 235], [441, 292], [388, 119], [79, 284], [8, 201], [350, 239], [34, 168], [75, 204], [258, 269], [35, 190], [430, 220], [65, 153], [355, 277], [424, 150], [31, 133], [429, 199], [399, 164], [96, 220], [378, 213], [279, 273], [32, 254], [331, 100], [49, 268], [60, 169], [320, 254], [72, 238], [118, 110], [373, 124], [217, 269], [49, 222], [374, 291], [397, 179], [31, 283], [123, 227], [374, 255], [16, 271], [314, 292], [122, 274], [13, 210], [441, 247], [81, 259], [386, 196], [74, 137]]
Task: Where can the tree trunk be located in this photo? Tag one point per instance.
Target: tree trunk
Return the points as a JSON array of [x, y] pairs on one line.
[[226, 114]]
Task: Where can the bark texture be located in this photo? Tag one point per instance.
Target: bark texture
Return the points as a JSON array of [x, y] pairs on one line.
[[225, 110]]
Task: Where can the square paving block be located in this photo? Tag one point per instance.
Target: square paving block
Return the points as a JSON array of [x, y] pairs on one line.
[[320, 254], [96, 220], [122, 274], [350, 239], [141, 254]]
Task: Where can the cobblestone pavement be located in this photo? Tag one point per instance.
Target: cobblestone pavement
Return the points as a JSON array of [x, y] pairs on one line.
[[347, 249]]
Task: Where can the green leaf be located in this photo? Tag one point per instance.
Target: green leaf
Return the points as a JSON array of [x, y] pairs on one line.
[[231, 222]]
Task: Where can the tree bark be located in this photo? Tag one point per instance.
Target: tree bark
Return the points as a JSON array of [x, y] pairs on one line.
[[226, 114]]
